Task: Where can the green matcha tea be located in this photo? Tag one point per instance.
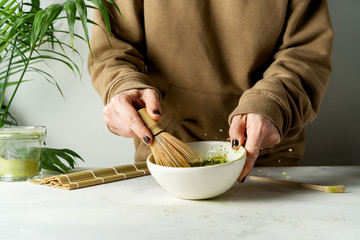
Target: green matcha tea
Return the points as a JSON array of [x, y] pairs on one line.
[[215, 160], [13, 168], [20, 151]]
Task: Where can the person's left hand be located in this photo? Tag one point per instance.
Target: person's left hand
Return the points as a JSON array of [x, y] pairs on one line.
[[256, 132]]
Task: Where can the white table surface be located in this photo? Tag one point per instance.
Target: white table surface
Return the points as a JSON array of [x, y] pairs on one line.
[[140, 209]]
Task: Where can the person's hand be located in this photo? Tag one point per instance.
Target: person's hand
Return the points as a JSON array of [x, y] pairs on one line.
[[256, 132], [121, 117]]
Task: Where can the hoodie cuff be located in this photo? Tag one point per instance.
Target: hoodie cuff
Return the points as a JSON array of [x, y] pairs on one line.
[[264, 105], [134, 81]]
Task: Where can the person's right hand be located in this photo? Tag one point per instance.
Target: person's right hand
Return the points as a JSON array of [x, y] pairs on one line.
[[121, 117]]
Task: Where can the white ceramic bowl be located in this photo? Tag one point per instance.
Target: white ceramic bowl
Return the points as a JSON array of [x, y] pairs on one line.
[[201, 182]]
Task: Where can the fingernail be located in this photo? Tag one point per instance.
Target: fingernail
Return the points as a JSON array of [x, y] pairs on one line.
[[157, 112], [243, 180], [146, 139], [235, 143]]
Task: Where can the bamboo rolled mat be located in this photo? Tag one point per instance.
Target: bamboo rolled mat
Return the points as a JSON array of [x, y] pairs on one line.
[[89, 178]]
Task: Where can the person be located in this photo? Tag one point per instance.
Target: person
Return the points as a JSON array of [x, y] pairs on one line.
[[253, 72]]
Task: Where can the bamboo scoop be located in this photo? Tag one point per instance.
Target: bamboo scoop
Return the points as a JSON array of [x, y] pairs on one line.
[[168, 150], [329, 189]]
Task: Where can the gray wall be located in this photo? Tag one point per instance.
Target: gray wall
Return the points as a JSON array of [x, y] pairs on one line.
[[77, 122], [333, 138]]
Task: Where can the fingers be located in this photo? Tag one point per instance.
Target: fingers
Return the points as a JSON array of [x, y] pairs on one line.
[[152, 103], [255, 132], [252, 147], [237, 131], [122, 118], [133, 121]]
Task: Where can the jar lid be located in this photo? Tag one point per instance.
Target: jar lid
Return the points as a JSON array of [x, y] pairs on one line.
[[23, 131]]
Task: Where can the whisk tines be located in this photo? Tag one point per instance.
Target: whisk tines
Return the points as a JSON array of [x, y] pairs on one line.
[[167, 149]]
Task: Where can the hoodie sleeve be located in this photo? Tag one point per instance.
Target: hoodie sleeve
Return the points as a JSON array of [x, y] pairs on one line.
[[290, 92], [117, 61]]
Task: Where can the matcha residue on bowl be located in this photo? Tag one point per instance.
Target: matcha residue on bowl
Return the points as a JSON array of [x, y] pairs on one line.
[[215, 160]]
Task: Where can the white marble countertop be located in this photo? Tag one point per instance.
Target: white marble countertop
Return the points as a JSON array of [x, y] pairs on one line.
[[140, 209]]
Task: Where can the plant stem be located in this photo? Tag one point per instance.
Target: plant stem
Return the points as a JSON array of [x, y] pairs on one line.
[[4, 87], [17, 85]]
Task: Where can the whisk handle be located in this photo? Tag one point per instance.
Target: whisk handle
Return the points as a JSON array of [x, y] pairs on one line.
[[149, 122]]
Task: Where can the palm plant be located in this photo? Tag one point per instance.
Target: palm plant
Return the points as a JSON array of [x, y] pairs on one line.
[[28, 36]]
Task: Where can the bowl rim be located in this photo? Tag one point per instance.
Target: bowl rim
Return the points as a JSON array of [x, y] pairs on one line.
[[201, 167]]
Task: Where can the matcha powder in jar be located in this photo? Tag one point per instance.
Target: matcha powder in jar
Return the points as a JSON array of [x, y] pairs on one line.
[[20, 150]]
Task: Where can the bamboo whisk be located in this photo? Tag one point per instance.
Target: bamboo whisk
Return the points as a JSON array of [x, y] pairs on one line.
[[168, 150]]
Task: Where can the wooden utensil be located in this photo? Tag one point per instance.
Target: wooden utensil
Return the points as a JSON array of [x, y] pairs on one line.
[[329, 189], [168, 150]]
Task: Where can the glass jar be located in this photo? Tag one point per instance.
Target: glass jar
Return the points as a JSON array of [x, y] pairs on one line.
[[20, 150]]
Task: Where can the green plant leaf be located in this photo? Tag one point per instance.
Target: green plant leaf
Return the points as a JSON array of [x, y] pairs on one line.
[[16, 30], [82, 10], [7, 12], [49, 163], [59, 160], [118, 10], [70, 9], [35, 5], [104, 11], [101, 5], [8, 118], [22, 35], [8, 84], [72, 67], [43, 20]]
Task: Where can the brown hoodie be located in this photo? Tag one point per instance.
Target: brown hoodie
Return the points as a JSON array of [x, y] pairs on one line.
[[212, 59]]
